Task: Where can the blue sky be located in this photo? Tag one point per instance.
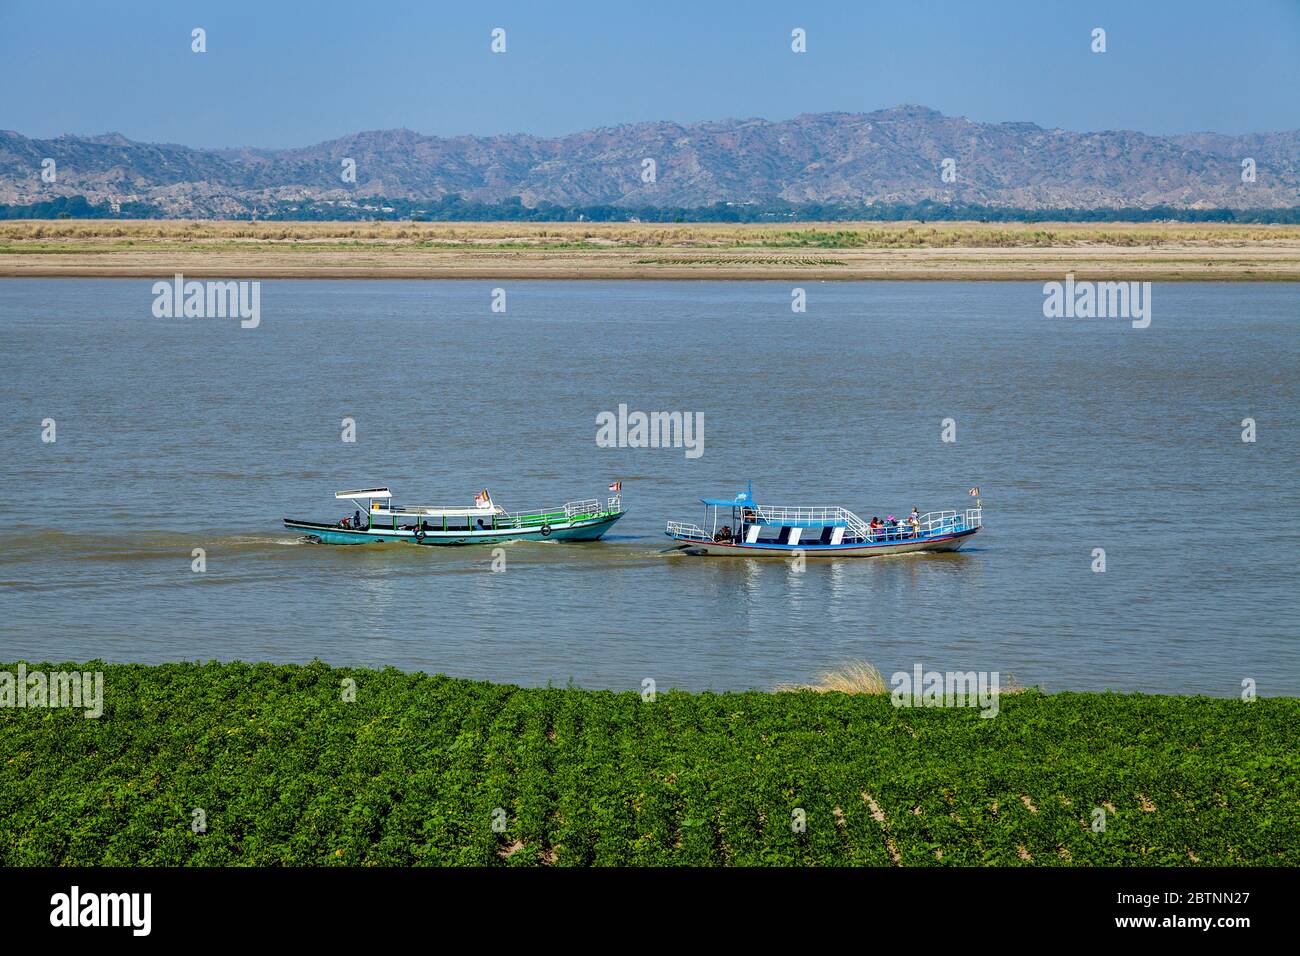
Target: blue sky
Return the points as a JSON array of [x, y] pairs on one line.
[[288, 73]]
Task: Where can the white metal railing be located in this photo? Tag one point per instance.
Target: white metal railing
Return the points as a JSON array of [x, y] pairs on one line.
[[684, 529], [767, 514], [812, 516], [570, 510], [931, 524], [855, 524], [938, 522], [524, 519], [536, 513], [945, 522]]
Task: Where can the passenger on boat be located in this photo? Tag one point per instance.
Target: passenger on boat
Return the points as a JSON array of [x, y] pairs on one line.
[[914, 521], [874, 527], [723, 533], [356, 519]]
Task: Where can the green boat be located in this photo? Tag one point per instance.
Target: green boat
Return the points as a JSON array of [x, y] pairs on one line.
[[377, 520]]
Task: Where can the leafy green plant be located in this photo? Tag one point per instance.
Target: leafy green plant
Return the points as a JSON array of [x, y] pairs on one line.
[[418, 769]]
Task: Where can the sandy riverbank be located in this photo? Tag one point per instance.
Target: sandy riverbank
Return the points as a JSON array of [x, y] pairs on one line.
[[795, 252]]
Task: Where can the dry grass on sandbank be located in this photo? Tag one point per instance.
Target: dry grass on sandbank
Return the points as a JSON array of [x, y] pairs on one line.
[[860, 677], [835, 235], [965, 251]]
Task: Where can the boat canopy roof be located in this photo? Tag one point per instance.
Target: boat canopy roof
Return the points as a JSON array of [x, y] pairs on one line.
[[432, 511], [365, 493], [743, 500], [429, 511]]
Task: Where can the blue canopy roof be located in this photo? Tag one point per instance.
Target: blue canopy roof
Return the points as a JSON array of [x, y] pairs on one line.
[[744, 499]]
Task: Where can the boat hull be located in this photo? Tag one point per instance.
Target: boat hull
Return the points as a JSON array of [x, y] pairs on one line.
[[582, 529], [731, 549]]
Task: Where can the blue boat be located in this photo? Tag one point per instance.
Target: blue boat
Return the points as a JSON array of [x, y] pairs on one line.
[[740, 527], [377, 520]]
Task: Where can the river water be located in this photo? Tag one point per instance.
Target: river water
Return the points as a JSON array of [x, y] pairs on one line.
[[1082, 434]]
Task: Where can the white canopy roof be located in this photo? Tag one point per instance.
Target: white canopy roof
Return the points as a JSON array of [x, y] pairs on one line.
[[433, 511], [366, 493], [485, 511]]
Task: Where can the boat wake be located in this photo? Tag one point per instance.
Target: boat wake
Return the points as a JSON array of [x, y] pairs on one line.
[[148, 545]]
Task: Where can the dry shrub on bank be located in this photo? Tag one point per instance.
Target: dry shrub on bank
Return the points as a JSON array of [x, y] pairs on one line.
[[856, 677], [859, 677]]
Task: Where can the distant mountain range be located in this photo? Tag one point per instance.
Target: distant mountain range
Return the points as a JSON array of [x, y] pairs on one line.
[[890, 156]]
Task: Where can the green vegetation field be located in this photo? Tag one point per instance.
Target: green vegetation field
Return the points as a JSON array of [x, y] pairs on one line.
[[417, 768]]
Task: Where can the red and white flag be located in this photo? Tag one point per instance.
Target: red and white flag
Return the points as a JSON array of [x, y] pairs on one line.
[[482, 499], [974, 492], [616, 487]]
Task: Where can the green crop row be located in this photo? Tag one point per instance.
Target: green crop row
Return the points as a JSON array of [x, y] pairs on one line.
[[261, 764]]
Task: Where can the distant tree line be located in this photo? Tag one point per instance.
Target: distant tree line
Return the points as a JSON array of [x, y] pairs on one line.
[[78, 207], [455, 208]]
